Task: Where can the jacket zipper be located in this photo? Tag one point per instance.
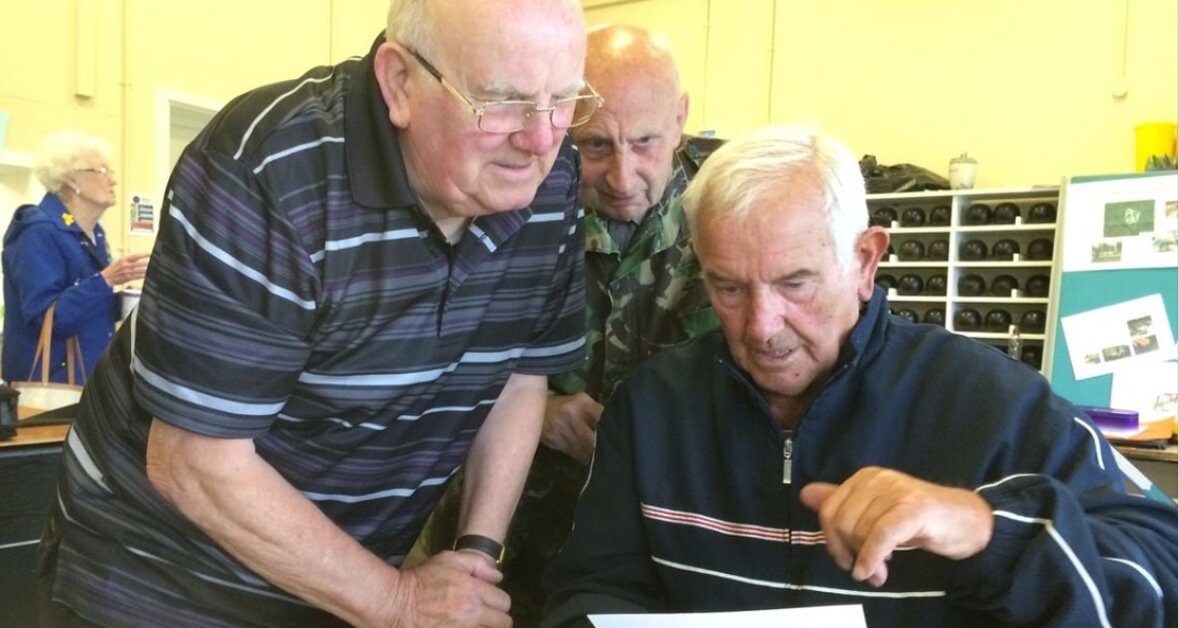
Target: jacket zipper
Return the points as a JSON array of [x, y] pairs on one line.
[[787, 490], [787, 455]]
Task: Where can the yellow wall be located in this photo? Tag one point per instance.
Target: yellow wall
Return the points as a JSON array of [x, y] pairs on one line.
[[132, 50], [1033, 90]]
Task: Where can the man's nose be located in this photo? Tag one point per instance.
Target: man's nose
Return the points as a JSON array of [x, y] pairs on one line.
[[538, 134], [764, 317], [621, 175]]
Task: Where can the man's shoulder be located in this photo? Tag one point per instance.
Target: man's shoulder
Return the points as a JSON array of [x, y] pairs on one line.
[[958, 361], [247, 126]]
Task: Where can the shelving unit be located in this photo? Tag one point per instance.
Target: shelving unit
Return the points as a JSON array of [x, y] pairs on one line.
[[977, 277]]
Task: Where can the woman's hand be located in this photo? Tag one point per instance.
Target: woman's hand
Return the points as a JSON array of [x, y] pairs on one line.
[[124, 269]]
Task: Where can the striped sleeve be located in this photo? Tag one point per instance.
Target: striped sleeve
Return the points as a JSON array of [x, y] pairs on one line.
[[231, 288]]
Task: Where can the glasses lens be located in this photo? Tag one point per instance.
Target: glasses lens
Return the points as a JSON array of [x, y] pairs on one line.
[[584, 109], [505, 117], [565, 113]]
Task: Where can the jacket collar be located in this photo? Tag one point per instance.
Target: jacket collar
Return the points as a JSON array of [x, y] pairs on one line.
[[58, 214], [658, 229]]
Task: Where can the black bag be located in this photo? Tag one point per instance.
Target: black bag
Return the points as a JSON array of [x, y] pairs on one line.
[[899, 178]]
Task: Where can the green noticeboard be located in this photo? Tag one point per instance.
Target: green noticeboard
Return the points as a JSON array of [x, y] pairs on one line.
[[1107, 283]]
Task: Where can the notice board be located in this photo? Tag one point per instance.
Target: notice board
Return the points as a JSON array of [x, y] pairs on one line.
[[1118, 248]]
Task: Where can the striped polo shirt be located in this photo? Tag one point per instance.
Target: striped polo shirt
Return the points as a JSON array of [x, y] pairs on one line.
[[298, 296]]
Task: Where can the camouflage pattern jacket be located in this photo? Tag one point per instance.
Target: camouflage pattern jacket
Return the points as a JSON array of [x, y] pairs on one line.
[[647, 298], [638, 302]]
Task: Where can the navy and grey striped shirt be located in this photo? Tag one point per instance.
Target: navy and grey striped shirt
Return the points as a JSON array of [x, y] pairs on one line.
[[299, 297]]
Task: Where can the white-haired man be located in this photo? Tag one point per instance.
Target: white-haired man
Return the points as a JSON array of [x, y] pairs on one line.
[[821, 451]]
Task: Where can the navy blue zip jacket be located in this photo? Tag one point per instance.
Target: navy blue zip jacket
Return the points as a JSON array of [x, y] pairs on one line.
[[48, 258], [688, 509]]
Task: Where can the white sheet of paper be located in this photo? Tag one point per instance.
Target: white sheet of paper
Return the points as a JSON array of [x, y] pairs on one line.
[[1150, 389], [1115, 337], [843, 616]]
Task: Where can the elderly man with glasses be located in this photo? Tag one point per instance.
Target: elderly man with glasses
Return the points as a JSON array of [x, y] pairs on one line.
[[363, 279], [643, 293]]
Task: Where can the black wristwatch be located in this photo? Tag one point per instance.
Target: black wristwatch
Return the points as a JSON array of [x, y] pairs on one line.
[[480, 543]]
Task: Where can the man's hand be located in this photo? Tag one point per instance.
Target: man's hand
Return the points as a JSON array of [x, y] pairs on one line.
[[878, 510], [569, 424], [124, 269], [451, 589]]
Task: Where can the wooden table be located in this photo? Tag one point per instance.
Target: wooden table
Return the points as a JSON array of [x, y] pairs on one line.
[[36, 435]]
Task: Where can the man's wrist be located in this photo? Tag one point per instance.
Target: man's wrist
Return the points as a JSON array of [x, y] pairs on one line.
[[480, 543]]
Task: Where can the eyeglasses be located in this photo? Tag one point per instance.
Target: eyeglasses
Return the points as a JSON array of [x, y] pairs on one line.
[[509, 116], [103, 170]]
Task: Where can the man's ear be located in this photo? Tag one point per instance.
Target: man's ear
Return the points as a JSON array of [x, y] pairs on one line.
[[873, 243], [392, 67], [681, 117]]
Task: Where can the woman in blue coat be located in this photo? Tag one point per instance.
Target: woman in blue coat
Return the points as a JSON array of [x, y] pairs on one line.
[[56, 252]]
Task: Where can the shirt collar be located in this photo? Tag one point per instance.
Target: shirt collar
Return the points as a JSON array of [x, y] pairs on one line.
[[375, 166]]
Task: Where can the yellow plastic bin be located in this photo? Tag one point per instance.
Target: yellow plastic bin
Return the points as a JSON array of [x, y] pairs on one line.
[[1153, 139]]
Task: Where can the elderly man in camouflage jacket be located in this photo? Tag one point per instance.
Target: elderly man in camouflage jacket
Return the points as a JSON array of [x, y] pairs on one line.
[[643, 289]]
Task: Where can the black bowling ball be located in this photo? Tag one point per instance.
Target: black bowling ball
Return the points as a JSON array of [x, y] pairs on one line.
[[913, 217], [910, 283], [967, 320], [1042, 212], [1032, 356], [1003, 285], [911, 250], [936, 284], [935, 317], [908, 315], [998, 320], [883, 216], [1040, 249], [940, 216], [1005, 214], [973, 250], [886, 281], [1037, 286], [939, 250], [1005, 249], [978, 214], [971, 285], [1032, 320]]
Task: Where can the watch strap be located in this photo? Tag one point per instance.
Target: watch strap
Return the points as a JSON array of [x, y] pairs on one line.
[[481, 543]]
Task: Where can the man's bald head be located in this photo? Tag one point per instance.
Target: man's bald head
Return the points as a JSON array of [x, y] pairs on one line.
[[628, 147], [622, 55]]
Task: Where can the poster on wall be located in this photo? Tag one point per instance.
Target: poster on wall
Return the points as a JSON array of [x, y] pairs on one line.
[[142, 216], [1122, 224]]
